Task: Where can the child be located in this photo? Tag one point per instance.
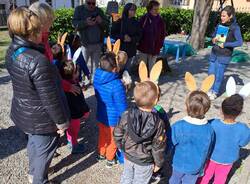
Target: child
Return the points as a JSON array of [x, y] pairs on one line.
[[122, 58], [230, 137], [141, 136], [72, 50], [164, 117], [77, 105], [191, 137], [111, 103], [222, 52], [57, 53]]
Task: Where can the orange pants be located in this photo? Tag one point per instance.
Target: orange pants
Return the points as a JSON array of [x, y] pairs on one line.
[[106, 143]]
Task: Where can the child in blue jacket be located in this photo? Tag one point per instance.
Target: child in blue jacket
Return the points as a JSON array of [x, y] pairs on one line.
[[192, 139], [111, 103], [230, 135], [222, 52]]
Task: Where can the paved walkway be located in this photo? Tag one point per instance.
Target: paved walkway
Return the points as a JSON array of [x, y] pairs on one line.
[[84, 169]]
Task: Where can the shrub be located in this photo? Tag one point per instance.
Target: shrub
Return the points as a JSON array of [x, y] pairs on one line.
[[176, 20]]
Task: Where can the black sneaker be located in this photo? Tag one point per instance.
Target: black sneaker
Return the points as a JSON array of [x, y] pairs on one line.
[[110, 163], [100, 158]]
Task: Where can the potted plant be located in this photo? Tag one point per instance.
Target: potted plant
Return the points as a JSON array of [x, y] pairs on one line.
[[246, 37]]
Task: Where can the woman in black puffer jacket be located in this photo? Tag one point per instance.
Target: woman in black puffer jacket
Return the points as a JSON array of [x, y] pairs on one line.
[[39, 107]]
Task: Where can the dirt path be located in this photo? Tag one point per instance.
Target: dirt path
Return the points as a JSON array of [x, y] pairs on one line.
[[84, 169]]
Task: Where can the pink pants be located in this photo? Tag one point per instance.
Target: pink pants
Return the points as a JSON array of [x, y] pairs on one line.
[[217, 170], [73, 130]]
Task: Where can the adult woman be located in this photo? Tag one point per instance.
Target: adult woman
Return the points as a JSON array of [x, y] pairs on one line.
[[39, 107], [222, 50], [128, 30], [154, 33]]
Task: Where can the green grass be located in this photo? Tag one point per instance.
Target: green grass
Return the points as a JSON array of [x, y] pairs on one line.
[[4, 43]]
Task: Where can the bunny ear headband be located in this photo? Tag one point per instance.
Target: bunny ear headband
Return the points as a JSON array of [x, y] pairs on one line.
[[231, 88], [115, 49], [61, 40], [207, 83], [154, 73]]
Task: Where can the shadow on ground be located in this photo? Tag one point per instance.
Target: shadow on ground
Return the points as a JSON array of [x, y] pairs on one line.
[[12, 141]]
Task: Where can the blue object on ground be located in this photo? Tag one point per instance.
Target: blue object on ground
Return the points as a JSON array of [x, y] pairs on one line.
[[120, 156], [175, 47]]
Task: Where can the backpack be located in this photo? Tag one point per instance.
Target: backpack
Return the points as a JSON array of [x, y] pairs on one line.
[[112, 7]]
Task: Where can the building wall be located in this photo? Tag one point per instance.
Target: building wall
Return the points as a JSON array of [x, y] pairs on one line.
[[239, 5]]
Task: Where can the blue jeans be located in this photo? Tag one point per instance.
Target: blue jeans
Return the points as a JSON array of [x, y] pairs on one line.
[[182, 178], [217, 66], [41, 149]]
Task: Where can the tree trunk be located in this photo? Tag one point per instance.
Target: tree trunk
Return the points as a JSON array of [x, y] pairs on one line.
[[202, 9]]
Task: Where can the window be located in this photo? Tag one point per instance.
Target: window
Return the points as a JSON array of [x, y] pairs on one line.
[[49, 2], [181, 2], [32, 1]]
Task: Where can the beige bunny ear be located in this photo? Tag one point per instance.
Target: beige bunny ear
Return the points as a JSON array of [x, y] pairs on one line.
[[143, 71], [156, 71], [59, 38], [109, 45], [116, 47], [207, 83], [190, 82], [63, 39]]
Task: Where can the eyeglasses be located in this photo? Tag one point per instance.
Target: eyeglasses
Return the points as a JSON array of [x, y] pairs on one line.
[[91, 3]]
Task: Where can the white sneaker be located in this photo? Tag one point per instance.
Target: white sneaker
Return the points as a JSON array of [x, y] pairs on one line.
[[30, 178]]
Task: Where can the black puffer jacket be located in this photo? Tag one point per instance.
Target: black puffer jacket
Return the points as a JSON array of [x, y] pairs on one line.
[[142, 137], [39, 105]]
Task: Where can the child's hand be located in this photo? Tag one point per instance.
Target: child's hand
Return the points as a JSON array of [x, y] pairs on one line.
[[156, 168], [75, 89]]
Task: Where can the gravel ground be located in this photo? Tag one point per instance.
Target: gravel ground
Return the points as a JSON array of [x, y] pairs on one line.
[[84, 169]]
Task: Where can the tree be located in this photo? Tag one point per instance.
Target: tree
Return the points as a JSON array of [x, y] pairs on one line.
[[202, 9]]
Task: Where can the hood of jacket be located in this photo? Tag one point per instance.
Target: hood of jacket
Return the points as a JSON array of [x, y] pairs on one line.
[[103, 77], [142, 125]]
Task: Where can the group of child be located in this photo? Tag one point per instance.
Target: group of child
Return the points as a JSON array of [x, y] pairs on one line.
[[201, 148]]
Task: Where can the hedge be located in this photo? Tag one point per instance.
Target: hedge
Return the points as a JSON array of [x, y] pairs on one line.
[[176, 20]]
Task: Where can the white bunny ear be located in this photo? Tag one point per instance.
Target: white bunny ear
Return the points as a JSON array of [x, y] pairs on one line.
[[231, 87], [245, 91], [77, 54]]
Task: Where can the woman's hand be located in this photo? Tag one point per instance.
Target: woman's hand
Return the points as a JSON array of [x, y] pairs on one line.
[[214, 40], [76, 90], [156, 168], [221, 45]]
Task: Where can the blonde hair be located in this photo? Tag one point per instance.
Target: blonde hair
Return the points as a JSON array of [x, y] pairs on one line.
[[122, 58], [146, 94], [43, 11], [24, 23]]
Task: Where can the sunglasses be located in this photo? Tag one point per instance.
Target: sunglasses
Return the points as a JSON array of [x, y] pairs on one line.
[[91, 3]]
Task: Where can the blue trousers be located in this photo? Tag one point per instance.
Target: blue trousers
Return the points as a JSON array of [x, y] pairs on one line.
[[217, 66], [41, 149], [182, 178]]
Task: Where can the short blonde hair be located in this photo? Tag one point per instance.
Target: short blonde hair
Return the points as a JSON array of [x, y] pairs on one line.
[[146, 94], [24, 23], [43, 11]]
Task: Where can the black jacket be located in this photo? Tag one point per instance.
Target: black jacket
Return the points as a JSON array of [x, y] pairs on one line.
[[130, 27], [77, 105], [39, 104], [142, 137]]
